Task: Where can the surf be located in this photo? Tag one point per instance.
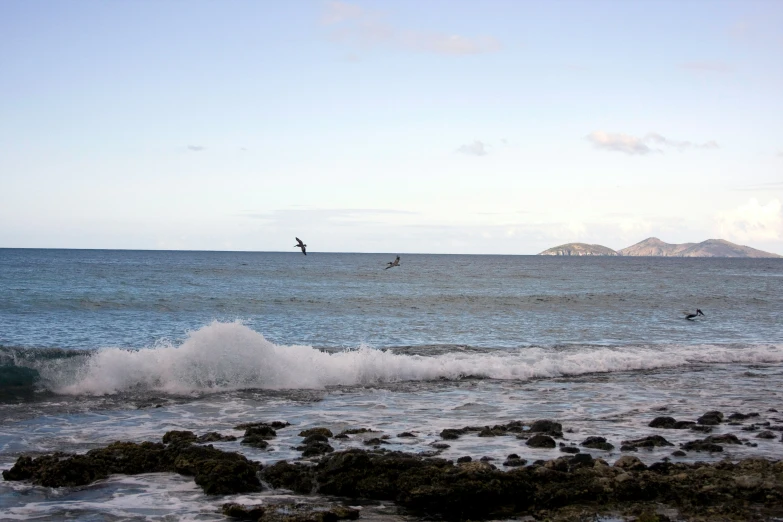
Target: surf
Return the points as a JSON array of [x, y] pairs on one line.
[[224, 356]]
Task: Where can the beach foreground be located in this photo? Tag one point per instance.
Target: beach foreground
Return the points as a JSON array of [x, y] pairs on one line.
[[574, 486]]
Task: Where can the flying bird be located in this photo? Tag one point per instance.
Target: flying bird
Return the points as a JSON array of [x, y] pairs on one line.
[[691, 317], [391, 264], [301, 245]]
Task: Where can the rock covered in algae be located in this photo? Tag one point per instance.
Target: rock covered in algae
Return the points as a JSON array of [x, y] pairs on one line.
[[217, 472], [289, 513], [437, 488]]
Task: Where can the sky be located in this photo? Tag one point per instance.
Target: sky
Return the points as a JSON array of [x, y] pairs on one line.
[[475, 127]]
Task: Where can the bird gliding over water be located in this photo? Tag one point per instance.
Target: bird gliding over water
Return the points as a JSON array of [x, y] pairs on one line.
[[301, 245], [391, 264], [691, 317]]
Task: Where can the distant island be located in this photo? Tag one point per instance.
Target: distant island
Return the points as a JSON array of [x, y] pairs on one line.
[[579, 249], [655, 247]]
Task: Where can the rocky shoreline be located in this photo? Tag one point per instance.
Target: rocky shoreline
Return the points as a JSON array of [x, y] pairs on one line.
[[574, 486]]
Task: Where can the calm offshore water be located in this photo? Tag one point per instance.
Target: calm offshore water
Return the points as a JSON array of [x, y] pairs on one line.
[[89, 339], [88, 299]]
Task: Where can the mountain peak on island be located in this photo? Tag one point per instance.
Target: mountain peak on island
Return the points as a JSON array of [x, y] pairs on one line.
[[652, 246]]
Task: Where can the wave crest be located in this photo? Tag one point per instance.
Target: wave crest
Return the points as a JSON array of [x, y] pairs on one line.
[[228, 356]]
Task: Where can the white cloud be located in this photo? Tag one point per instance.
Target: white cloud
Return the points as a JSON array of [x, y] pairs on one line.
[[752, 222], [618, 142], [652, 142], [477, 148], [196, 148], [353, 24]]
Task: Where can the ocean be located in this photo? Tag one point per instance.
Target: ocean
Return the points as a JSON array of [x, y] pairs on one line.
[[98, 346]]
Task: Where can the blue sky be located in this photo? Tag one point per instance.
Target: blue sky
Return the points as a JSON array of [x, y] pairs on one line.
[[441, 126]]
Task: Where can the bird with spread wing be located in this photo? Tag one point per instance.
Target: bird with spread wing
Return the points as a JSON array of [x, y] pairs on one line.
[[394, 263], [301, 245]]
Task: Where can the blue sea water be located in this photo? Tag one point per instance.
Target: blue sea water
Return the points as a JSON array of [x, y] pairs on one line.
[[89, 299], [90, 339]]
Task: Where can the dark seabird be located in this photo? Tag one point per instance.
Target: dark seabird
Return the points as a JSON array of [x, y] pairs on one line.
[[691, 317], [301, 245], [396, 262]]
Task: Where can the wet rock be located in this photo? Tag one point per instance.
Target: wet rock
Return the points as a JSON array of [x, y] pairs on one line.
[[451, 434], [375, 441], [702, 445], [216, 471], [356, 431], [679, 453], [225, 477], [629, 463], [541, 441], [255, 441], [670, 423], [277, 425], [663, 422], [326, 432], [436, 489], [406, 435], [440, 445], [464, 459], [627, 447], [752, 427], [581, 460], [514, 461], [547, 427], [727, 438], [513, 427], [261, 432], [57, 470], [711, 418], [176, 436], [560, 464], [486, 459], [290, 512], [316, 437], [341, 436], [597, 443], [742, 416], [214, 436], [315, 448], [428, 485], [492, 432], [569, 449], [297, 477], [766, 434], [648, 442], [701, 429], [243, 512]]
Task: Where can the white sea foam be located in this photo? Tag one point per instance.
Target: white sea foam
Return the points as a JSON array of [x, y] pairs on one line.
[[225, 356]]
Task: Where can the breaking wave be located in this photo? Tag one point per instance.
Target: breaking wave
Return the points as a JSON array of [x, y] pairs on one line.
[[229, 356]]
